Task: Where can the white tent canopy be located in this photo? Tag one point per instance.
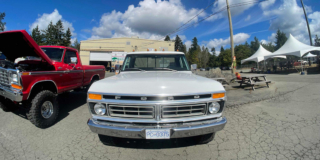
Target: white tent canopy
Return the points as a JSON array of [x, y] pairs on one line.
[[293, 47], [259, 55], [309, 55]]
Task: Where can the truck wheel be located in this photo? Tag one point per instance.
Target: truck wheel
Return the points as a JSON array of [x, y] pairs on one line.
[[107, 140], [204, 139], [44, 109]]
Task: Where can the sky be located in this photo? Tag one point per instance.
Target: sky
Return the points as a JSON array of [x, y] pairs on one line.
[[153, 19]]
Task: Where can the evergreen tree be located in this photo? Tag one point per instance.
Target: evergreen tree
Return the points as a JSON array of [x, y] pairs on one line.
[[184, 49], [269, 46], [317, 41], [37, 36], [167, 38], [221, 49], [76, 45], [67, 38], [242, 52], [213, 50], [194, 51], [49, 34], [255, 44], [59, 34], [2, 24], [178, 45], [281, 38], [247, 44]]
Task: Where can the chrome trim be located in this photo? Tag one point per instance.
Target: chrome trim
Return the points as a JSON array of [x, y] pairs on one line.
[[92, 70], [47, 72], [112, 111], [181, 115], [42, 81], [10, 93], [160, 95], [176, 130]]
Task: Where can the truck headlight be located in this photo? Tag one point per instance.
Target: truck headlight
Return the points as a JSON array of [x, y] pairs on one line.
[[214, 107], [100, 109], [14, 78]]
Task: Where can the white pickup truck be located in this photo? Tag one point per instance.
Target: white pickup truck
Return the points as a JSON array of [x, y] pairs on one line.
[[156, 96]]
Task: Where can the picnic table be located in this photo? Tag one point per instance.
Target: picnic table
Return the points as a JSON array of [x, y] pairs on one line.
[[253, 79]]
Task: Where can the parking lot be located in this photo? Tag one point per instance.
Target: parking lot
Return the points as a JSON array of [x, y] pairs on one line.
[[280, 122]]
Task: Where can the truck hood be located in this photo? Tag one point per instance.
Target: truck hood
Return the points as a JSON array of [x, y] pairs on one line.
[[15, 44], [156, 83]]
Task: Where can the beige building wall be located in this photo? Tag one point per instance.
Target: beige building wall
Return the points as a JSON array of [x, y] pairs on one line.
[[121, 45]]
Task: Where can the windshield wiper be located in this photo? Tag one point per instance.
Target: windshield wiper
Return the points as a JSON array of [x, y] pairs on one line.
[[169, 69], [134, 69]]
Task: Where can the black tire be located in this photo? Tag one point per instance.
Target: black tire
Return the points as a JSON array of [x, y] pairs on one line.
[[34, 113], [109, 141], [204, 139]]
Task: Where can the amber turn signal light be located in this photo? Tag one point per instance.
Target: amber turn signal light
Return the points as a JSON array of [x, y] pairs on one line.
[[95, 96], [25, 73], [218, 95], [16, 86]]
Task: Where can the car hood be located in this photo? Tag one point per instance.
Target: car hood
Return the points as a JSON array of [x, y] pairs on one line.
[[15, 44], [156, 83]]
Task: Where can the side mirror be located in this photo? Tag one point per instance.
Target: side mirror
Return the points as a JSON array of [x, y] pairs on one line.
[[73, 60], [117, 69]]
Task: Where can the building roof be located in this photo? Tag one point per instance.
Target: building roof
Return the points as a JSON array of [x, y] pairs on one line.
[[133, 38], [156, 52]]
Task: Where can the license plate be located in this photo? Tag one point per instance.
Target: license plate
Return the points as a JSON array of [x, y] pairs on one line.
[[158, 134]]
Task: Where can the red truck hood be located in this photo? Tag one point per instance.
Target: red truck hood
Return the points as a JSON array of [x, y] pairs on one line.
[[15, 44]]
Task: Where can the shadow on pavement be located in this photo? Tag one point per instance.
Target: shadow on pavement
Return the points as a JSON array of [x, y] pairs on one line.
[[156, 144]]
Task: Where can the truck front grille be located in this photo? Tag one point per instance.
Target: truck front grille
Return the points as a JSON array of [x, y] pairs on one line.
[[131, 111], [4, 77], [187, 110]]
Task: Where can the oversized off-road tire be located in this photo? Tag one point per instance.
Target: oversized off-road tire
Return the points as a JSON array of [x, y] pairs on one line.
[[44, 109], [107, 140], [204, 139]]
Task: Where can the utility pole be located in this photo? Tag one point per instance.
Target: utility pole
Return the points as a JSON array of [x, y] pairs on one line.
[[305, 15], [233, 70]]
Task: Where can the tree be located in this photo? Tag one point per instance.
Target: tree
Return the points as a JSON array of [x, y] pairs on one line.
[[37, 36], [67, 38], [242, 52], [184, 49], [178, 45], [49, 34], [224, 58], [269, 46], [254, 45], [221, 49], [194, 51], [58, 33], [2, 24], [213, 50], [167, 38], [317, 41], [281, 38], [76, 45]]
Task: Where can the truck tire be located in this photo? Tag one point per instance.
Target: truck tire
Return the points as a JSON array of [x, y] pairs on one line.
[[44, 109], [107, 140], [204, 139]]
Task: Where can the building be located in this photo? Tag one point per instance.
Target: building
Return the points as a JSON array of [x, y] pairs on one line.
[[111, 51]]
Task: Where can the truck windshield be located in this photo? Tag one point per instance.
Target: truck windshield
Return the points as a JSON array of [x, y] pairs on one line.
[[155, 62], [54, 53]]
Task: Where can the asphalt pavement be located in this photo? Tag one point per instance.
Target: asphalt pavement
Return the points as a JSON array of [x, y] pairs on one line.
[[280, 122]]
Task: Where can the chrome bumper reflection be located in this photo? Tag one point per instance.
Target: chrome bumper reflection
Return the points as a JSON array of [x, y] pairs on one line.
[[10, 94], [138, 132]]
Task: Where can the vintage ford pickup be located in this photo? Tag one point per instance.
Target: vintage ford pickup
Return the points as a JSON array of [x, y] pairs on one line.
[[34, 82], [156, 96]]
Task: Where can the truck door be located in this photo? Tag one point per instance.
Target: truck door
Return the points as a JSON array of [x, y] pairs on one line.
[[74, 72]]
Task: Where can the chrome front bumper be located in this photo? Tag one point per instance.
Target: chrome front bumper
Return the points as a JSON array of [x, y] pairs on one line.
[[11, 94], [138, 132]]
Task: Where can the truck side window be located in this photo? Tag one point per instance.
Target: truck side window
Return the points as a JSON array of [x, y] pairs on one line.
[[68, 55]]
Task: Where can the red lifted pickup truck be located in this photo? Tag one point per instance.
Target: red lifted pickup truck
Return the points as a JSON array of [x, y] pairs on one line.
[[34, 84]]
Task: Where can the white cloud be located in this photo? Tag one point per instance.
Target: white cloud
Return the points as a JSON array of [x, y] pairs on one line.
[[188, 44], [248, 18], [266, 4], [238, 39], [290, 19], [44, 20], [264, 41], [150, 19], [272, 38]]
